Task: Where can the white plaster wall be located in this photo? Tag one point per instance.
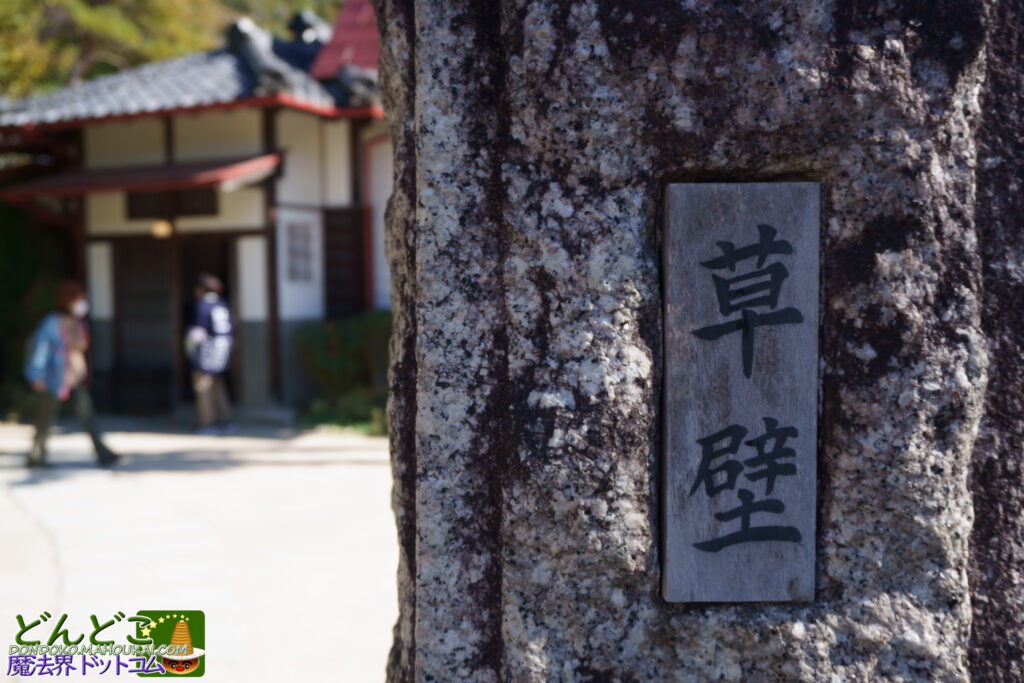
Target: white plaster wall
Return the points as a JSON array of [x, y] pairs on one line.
[[106, 213], [99, 268], [300, 300], [252, 279], [337, 153], [123, 143], [298, 136], [240, 209], [381, 179], [218, 135]]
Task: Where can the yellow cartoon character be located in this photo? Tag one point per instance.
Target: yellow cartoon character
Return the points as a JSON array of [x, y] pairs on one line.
[[182, 663]]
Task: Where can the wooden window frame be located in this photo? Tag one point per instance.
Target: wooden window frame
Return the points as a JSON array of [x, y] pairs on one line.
[[300, 251]]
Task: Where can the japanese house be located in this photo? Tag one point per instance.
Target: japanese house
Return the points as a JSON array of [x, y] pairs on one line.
[[266, 162]]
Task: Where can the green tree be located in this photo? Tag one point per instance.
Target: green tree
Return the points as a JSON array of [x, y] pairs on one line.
[[59, 42], [52, 43]]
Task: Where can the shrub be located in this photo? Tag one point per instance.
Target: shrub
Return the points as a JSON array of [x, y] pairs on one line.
[[348, 363], [33, 258]]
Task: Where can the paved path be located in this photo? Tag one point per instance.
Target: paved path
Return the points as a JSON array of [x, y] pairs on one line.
[[285, 539]]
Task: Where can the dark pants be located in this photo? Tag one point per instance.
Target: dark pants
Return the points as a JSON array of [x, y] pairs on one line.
[[49, 409]]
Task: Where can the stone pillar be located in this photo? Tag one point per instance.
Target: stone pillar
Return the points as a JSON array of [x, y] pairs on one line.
[[532, 144], [997, 474]]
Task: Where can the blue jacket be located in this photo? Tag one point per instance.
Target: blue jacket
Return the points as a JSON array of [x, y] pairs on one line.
[[47, 356], [216, 321]]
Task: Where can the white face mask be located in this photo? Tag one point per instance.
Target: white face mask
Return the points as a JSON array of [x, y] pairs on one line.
[[80, 308]]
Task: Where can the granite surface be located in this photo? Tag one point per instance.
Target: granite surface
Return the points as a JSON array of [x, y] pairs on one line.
[[532, 143], [997, 476]]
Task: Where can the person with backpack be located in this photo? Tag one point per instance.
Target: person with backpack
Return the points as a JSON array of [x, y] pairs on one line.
[[208, 346], [57, 370]]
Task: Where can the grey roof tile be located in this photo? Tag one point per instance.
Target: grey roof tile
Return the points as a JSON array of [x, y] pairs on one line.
[[206, 78]]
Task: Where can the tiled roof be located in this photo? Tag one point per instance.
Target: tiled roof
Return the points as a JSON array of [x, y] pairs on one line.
[[148, 178], [254, 64], [354, 42]]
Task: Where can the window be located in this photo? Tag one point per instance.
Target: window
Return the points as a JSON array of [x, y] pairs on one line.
[[196, 202], [300, 252]]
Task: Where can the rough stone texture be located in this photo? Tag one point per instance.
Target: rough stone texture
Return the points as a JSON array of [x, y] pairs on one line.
[[532, 142], [997, 558], [396, 28]]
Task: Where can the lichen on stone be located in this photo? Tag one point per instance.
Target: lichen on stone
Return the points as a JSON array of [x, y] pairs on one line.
[[533, 142]]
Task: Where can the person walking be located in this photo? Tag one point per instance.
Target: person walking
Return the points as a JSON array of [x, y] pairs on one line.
[[208, 346], [58, 371]]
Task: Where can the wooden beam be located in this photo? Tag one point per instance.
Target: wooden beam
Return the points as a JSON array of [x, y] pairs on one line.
[[177, 288], [265, 102], [270, 212]]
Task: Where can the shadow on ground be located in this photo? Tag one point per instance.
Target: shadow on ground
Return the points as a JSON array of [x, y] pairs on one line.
[[250, 446]]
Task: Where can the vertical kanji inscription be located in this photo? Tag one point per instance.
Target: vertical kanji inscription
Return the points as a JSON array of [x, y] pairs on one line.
[[741, 366]]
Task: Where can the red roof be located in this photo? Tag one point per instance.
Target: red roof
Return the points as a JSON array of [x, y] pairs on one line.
[[354, 41], [235, 172]]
